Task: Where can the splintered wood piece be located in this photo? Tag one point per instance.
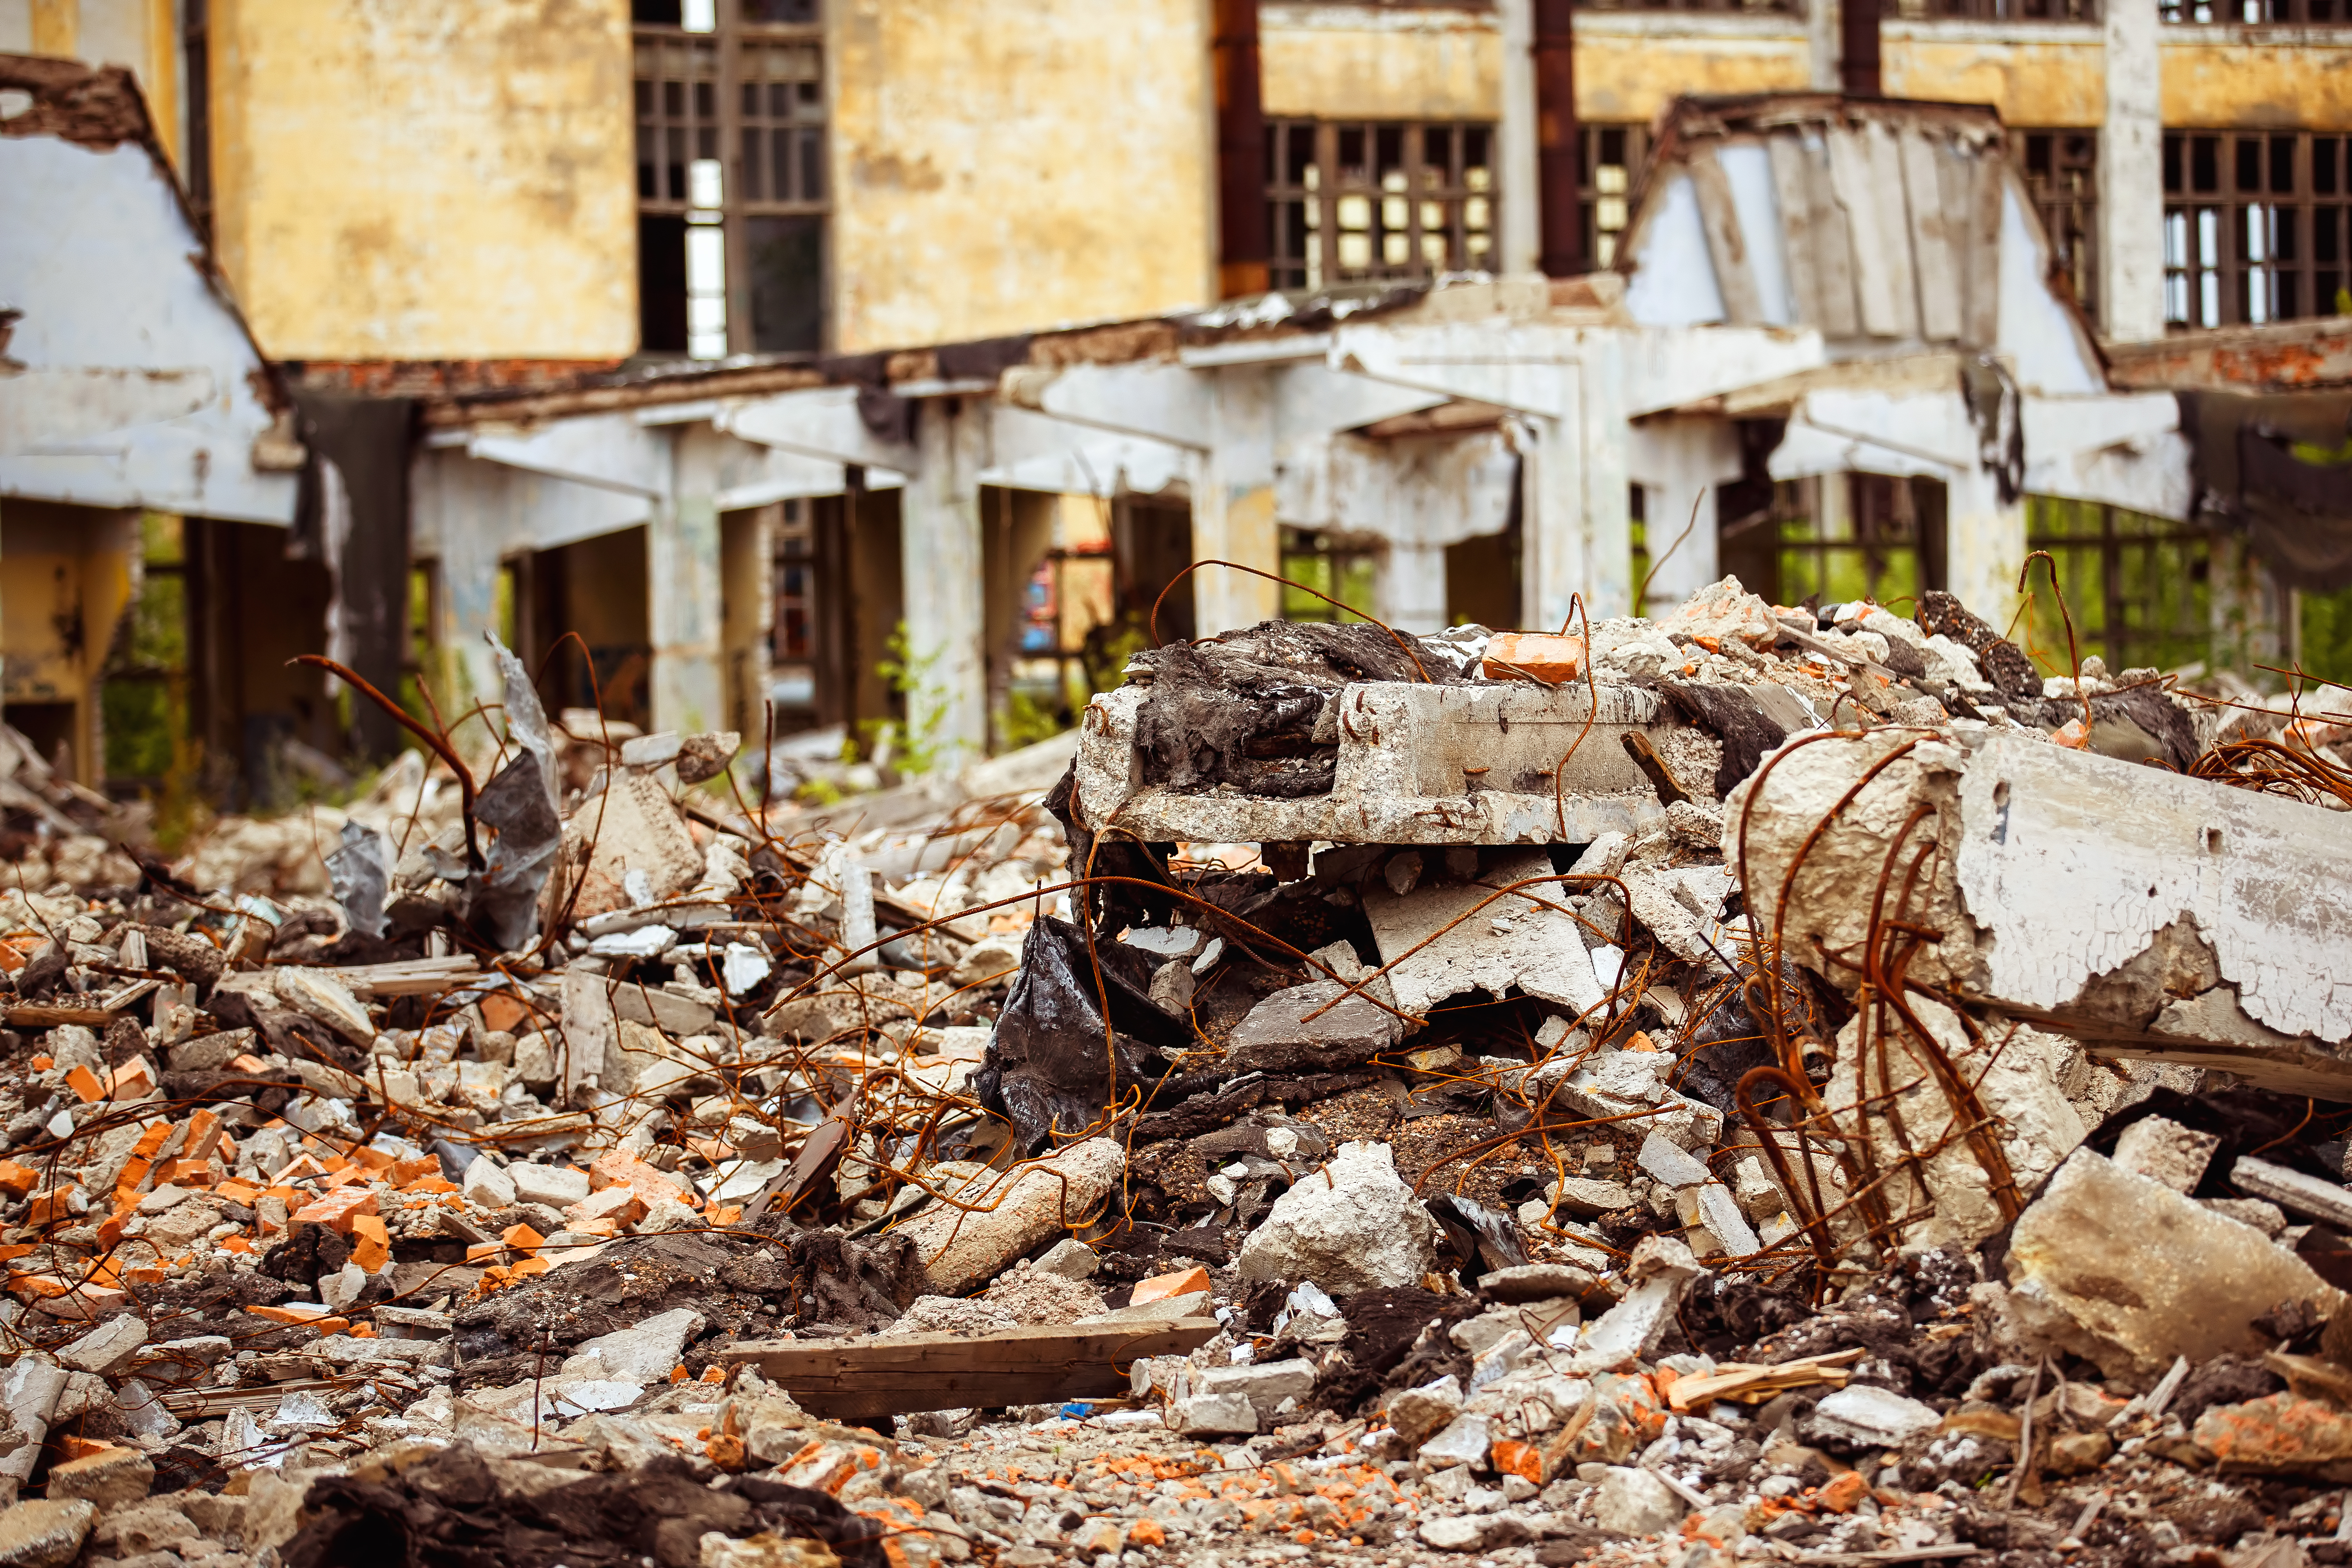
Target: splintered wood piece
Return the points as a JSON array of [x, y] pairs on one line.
[[898, 1376]]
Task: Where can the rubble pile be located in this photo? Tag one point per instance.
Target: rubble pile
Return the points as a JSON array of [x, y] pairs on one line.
[[1758, 1083]]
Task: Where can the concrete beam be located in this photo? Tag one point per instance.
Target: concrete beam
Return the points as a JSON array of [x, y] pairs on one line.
[[818, 422], [610, 451]]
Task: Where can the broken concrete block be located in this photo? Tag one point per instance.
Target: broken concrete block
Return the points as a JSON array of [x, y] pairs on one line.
[[2164, 1151], [1214, 1415], [1682, 906], [316, 993], [107, 1349], [1012, 1213], [2294, 1191], [642, 1354], [1710, 1205], [2131, 1274], [632, 825], [1526, 940], [111, 1477], [1670, 1164], [1070, 1259], [1352, 1226], [1585, 1196], [1418, 1415], [557, 1186], [1659, 1271], [488, 1186], [1720, 610], [44, 1533], [2260, 1214], [1310, 1028], [1465, 1440], [2283, 1433], [1864, 1413], [1536, 1282], [1635, 1502], [1265, 1386]]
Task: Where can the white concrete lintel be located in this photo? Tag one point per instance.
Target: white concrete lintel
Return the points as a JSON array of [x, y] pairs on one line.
[[1257, 351], [610, 451], [817, 422], [1153, 398]]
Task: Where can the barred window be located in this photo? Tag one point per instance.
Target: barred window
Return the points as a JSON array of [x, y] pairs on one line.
[[2273, 12], [1997, 10], [2062, 175], [2254, 227], [731, 182], [1356, 202], [1611, 157]]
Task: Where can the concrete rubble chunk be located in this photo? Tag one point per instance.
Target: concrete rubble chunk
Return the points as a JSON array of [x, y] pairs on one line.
[[557, 1186], [2164, 1151], [1585, 1196], [1013, 1212], [1352, 1226], [487, 1186], [1266, 1384], [1669, 1162], [1633, 1502], [2130, 1274], [44, 1533], [1313, 1027], [107, 1349], [1419, 1414], [1213, 1414], [643, 1353], [110, 1477], [1865, 1414], [1464, 1440], [1660, 1270], [2294, 1191], [1444, 939]]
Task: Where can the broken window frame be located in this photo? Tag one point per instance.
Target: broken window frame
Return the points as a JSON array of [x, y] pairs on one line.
[[793, 639], [734, 60], [1609, 159], [2061, 165], [1311, 197], [1333, 563], [2120, 571], [2257, 13], [1891, 531], [2240, 255]]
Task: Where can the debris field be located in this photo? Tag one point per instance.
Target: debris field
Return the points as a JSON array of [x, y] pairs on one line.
[[1760, 1083]]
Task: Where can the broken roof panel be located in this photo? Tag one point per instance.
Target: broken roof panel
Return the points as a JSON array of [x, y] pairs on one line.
[[127, 377]]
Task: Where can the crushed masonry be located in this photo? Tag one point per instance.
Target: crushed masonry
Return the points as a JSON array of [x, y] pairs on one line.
[[1668, 1092]]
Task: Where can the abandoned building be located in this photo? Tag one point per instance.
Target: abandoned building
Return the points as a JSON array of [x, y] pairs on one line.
[[844, 360]]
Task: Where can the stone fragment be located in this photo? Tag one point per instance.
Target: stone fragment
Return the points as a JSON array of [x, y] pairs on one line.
[[1209, 1415], [1586, 1196], [163, 1525], [1311, 1028], [2131, 1274], [1669, 1162], [1720, 610], [2294, 1191], [1017, 1211], [2259, 1213], [316, 993], [2283, 1433], [2164, 1151], [643, 1353], [107, 1349], [1453, 1533], [1353, 1225], [1635, 1502], [1536, 1282], [1266, 1384], [1465, 1440], [1071, 1258], [488, 1186], [706, 756], [1447, 938], [110, 1477], [1865, 1414], [557, 1186], [632, 825], [1419, 1414], [43, 1533]]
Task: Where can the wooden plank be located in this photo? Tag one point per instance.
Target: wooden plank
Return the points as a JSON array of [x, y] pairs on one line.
[[1833, 245], [1743, 303], [1793, 185], [1878, 315], [887, 1377], [1931, 246], [1989, 177], [41, 1015]]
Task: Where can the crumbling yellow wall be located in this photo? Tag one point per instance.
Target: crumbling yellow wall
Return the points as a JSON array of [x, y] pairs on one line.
[[2222, 83], [2059, 81], [1625, 71], [1004, 165], [64, 580], [1351, 62], [429, 179]]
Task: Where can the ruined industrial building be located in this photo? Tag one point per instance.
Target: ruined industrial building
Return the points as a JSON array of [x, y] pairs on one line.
[[797, 783]]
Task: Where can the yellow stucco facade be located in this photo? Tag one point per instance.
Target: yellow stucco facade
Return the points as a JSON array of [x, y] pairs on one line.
[[2258, 77], [1002, 165], [431, 179], [1630, 66], [2047, 76], [1364, 62]]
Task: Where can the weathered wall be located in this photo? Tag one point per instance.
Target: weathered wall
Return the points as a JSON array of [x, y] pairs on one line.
[[434, 179], [138, 34], [2040, 74], [1380, 62], [2258, 76], [1629, 64], [1001, 165]]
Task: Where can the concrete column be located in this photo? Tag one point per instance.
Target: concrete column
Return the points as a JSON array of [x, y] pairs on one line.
[[946, 596], [461, 506], [1233, 505], [2131, 176], [1575, 537], [682, 587], [1679, 463], [1412, 587], [1985, 545], [1608, 521], [1821, 22], [1519, 210]]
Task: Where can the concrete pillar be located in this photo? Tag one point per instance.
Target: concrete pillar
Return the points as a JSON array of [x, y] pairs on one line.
[[1821, 22], [462, 506], [1577, 538], [1233, 505], [1521, 216], [1985, 545], [1412, 587], [1679, 463], [682, 587], [946, 609], [2131, 176]]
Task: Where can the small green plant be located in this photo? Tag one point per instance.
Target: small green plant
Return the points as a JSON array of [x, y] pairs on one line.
[[1026, 721], [915, 744]]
